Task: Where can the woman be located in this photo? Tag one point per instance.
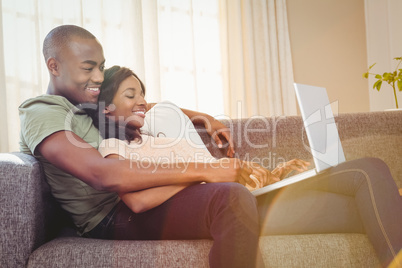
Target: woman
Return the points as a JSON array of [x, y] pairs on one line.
[[182, 211], [122, 111], [363, 187]]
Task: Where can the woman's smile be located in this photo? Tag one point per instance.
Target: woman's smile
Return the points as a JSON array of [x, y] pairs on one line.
[[140, 112], [129, 103]]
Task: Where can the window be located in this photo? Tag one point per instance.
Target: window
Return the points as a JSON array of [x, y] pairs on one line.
[[173, 45]]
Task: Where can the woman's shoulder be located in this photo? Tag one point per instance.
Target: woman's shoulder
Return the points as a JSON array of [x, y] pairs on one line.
[[112, 146], [111, 141]]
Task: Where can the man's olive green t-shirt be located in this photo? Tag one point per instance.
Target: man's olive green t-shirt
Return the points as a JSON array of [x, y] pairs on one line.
[[45, 115]]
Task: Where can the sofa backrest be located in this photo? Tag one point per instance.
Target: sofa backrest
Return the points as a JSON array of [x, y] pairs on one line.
[[270, 141], [375, 134]]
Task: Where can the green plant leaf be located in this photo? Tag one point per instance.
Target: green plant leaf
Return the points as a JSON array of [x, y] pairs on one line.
[[390, 78], [386, 77], [400, 85], [377, 85]]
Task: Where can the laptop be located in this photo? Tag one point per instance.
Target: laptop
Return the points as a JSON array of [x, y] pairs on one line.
[[322, 135]]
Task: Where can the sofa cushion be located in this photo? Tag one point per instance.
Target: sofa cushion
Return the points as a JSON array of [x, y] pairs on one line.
[[318, 250], [321, 250], [85, 252]]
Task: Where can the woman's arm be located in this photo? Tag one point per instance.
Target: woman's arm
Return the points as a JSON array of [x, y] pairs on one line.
[[147, 199], [213, 127]]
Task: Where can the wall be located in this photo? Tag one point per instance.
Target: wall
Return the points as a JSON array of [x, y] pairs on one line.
[[328, 44]]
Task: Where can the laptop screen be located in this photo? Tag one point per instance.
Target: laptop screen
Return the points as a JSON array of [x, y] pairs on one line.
[[321, 129]]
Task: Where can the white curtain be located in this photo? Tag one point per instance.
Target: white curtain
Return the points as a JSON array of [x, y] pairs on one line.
[[205, 55], [257, 59], [4, 144], [384, 43]]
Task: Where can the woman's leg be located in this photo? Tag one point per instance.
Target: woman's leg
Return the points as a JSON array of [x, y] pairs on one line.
[[224, 212], [356, 196]]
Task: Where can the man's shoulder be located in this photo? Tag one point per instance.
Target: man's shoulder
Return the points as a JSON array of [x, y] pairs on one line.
[[45, 100]]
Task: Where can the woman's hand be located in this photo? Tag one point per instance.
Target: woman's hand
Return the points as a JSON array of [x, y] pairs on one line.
[[246, 173], [227, 170], [261, 175], [215, 128], [282, 170]]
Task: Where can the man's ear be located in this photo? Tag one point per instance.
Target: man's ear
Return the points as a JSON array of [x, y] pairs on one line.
[[53, 66]]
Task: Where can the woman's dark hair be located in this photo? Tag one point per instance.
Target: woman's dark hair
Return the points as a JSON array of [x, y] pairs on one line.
[[109, 128]]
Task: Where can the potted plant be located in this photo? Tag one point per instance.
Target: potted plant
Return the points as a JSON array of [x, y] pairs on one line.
[[392, 78]]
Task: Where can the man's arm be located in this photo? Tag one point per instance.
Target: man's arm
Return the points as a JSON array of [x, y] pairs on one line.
[[141, 201], [85, 162]]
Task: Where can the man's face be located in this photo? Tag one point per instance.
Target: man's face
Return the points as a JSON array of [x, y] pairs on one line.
[[81, 66]]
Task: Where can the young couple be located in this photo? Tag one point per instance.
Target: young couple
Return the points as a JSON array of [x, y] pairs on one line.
[[112, 198]]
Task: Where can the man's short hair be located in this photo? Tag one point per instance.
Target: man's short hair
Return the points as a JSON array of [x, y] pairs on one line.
[[60, 37]]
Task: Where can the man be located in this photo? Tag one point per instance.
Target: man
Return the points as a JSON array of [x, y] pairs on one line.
[[65, 141]]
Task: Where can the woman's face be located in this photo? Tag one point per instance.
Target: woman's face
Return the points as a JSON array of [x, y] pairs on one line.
[[128, 105]]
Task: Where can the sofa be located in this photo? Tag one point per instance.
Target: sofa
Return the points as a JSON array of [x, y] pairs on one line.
[[35, 232]]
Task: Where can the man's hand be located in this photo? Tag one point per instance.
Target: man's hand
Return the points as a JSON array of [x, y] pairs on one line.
[[282, 170]]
